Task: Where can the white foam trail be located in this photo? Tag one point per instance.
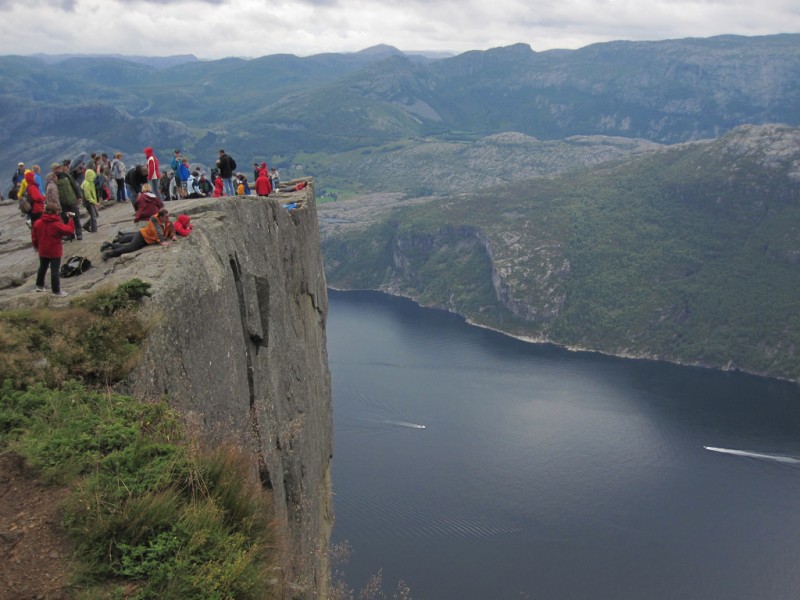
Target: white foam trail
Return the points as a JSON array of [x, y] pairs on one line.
[[775, 457], [407, 424]]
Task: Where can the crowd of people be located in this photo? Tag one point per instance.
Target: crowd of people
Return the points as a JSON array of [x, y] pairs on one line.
[[52, 206]]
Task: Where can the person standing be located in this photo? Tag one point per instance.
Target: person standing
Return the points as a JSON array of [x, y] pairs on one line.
[[118, 175], [183, 176], [153, 172], [69, 194], [35, 197], [227, 166], [135, 178], [46, 237], [90, 195]]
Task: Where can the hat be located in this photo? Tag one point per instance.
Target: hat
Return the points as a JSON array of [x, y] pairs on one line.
[[21, 164], [55, 165]]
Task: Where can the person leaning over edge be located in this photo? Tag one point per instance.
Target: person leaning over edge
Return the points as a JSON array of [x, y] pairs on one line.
[[159, 230]]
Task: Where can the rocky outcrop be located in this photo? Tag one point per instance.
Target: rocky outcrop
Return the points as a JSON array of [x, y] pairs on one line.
[[236, 343]]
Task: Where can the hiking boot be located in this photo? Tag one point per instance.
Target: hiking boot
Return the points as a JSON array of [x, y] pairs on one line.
[[105, 246], [60, 294], [39, 289], [107, 255]]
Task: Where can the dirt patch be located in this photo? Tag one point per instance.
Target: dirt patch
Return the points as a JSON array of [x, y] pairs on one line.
[[35, 556]]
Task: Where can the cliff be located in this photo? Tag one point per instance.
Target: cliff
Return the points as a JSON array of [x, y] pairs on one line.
[[237, 344]]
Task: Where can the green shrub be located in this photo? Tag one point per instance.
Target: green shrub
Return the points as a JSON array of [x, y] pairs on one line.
[[152, 516]]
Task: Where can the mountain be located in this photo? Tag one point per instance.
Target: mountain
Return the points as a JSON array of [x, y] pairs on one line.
[[689, 253], [275, 107]]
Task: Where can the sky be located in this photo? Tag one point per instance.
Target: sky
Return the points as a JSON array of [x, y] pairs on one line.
[[212, 29]]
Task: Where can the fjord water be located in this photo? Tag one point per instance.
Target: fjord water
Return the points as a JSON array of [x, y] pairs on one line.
[[547, 474]]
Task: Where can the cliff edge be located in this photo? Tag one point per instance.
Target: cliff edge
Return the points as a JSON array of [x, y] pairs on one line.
[[237, 343]]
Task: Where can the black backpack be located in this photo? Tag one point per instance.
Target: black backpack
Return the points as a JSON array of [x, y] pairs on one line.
[[75, 265]]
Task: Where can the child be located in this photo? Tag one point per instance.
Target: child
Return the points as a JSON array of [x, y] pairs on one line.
[[46, 236]]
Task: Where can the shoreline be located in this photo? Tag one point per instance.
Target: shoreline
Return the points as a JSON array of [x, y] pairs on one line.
[[575, 349]]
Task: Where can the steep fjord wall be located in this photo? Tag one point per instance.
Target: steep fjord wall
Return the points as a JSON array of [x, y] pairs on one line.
[[238, 345]]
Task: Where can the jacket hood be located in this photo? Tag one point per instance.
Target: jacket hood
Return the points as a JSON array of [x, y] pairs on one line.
[[148, 152], [183, 220], [30, 177], [90, 175]]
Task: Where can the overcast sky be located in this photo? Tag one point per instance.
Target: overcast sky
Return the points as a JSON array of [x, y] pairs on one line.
[[220, 28]]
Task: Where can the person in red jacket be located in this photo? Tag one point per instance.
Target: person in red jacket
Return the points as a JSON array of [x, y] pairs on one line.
[[263, 182], [218, 187], [46, 236], [153, 172], [183, 225], [36, 197], [147, 204]]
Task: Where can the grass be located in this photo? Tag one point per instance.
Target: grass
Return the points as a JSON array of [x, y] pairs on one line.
[[152, 513]]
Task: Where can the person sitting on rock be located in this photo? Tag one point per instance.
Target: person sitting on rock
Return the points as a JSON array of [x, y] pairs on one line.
[[159, 230], [218, 185], [147, 204], [263, 182]]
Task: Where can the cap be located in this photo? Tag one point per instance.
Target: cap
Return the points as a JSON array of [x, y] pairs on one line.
[[21, 164], [55, 165]]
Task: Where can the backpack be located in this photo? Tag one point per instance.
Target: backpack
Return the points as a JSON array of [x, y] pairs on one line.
[[25, 203], [75, 265], [66, 193]]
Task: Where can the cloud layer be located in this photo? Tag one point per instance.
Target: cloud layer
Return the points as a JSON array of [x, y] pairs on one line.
[[220, 28]]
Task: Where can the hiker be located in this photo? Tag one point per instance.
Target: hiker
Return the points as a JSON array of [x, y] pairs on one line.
[[153, 172], [118, 175], [183, 177], [193, 186], [218, 185], [51, 191], [35, 197], [147, 204], [263, 182], [183, 225], [242, 187], [206, 188], [17, 178], [159, 230], [276, 178], [135, 179], [226, 168], [70, 196], [301, 185], [90, 195], [46, 236], [165, 185]]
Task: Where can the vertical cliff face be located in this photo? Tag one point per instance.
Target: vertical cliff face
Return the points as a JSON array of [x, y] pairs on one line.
[[238, 345]]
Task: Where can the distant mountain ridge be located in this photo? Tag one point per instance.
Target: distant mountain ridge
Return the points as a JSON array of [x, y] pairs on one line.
[[277, 106]]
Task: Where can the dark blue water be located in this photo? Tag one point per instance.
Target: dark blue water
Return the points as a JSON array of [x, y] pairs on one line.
[[546, 474]]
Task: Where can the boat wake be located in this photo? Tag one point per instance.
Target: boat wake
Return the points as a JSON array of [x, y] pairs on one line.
[[760, 455], [406, 424]]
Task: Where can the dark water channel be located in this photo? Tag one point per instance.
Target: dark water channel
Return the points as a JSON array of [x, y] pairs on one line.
[[546, 474]]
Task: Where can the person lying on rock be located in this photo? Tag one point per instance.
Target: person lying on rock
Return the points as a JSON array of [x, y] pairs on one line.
[[159, 230]]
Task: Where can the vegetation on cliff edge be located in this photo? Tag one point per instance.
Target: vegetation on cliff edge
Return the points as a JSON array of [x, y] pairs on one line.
[[151, 513]]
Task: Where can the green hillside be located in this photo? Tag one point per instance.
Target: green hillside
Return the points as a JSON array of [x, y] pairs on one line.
[[690, 254]]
